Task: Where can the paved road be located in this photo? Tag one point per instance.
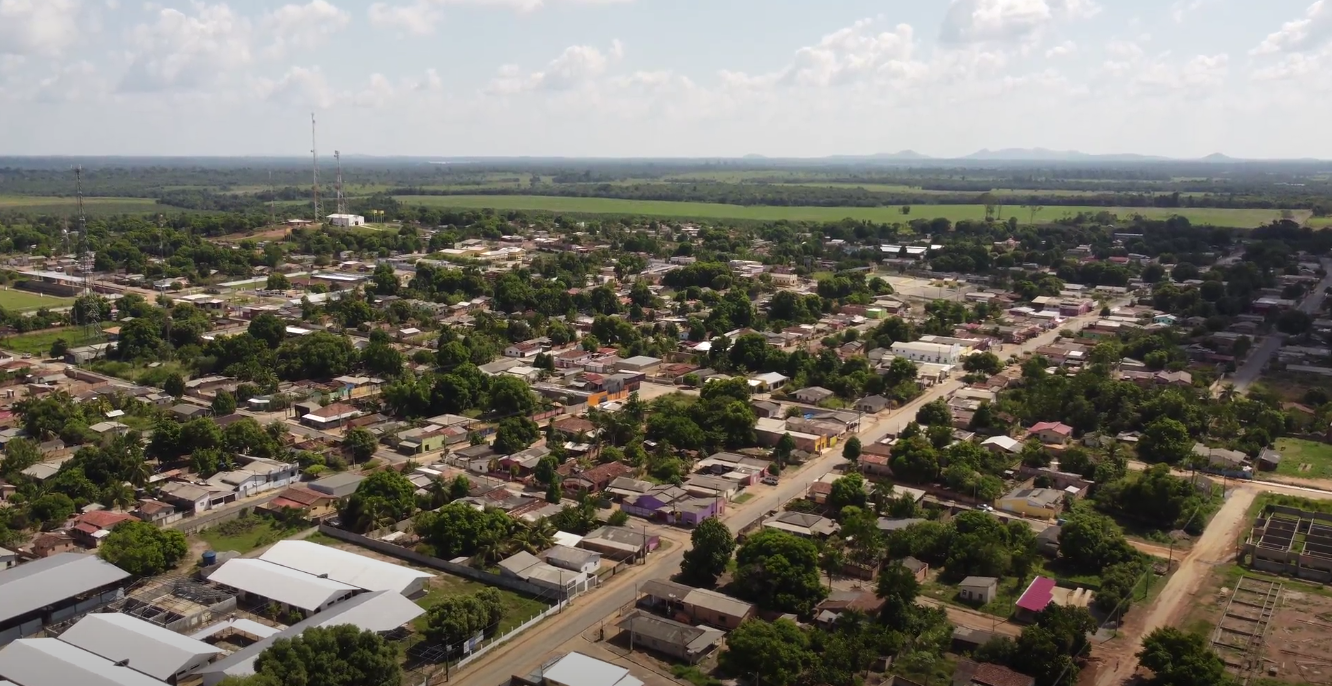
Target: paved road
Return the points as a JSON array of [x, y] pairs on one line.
[[525, 653], [1258, 359]]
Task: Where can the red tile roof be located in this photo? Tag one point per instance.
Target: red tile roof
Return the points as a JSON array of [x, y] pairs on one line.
[[100, 519], [1057, 427]]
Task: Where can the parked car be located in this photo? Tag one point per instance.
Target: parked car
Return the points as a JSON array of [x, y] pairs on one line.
[[770, 480]]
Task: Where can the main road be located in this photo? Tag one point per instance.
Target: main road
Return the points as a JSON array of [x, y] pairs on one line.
[[525, 653], [1253, 367]]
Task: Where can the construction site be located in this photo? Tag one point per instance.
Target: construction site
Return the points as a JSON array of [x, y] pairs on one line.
[[1292, 542]]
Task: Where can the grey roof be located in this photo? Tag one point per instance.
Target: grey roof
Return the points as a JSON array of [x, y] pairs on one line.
[[570, 558], [519, 562], [665, 589], [641, 360], [886, 524], [694, 639], [151, 649], [380, 611], [718, 602], [978, 582], [37, 584], [278, 583], [577, 669], [52, 662], [337, 484]]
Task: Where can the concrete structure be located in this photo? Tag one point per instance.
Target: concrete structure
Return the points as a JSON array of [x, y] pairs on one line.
[[935, 353], [1041, 503], [260, 580], [160, 653], [978, 589], [805, 525], [338, 485], [813, 395], [573, 559], [577, 669], [54, 589], [346, 567], [1051, 433], [346, 220], [696, 604], [1287, 540], [530, 568], [683, 642]]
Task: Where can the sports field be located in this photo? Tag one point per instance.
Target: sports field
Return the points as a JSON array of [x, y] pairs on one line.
[[702, 210], [14, 299], [39, 342]]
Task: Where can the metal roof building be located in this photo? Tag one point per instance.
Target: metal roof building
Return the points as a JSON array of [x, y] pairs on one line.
[[151, 649], [577, 669], [52, 662], [381, 611], [281, 584], [28, 591], [346, 567]]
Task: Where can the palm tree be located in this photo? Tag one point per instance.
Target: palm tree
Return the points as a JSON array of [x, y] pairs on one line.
[[119, 496], [1227, 392], [140, 472]]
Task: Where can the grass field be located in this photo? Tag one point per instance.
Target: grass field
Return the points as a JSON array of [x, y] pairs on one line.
[[39, 342], [517, 608], [40, 204], [1296, 453], [702, 210], [14, 299], [246, 534]]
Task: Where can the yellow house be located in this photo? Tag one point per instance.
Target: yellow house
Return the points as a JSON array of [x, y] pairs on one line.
[[1041, 503]]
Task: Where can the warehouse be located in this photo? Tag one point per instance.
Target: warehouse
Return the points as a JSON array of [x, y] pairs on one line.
[[347, 567], [266, 581], [52, 662], [160, 653], [54, 589], [380, 612]]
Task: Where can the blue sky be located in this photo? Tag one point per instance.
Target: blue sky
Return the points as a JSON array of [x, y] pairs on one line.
[[630, 78]]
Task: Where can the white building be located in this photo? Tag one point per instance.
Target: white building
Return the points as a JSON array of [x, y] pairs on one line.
[[935, 353], [282, 585], [346, 220], [153, 650], [346, 567]]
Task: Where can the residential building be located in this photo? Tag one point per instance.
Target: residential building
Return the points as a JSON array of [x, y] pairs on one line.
[[971, 673], [978, 589], [1041, 503], [686, 643], [1051, 433], [1039, 594], [872, 404], [813, 395], [90, 528], [577, 669], [528, 567], [831, 608], [918, 568], [1002, 445], [803, 524], [619, 542], [1221, 458], [573, 559], [339, 485], [330, 416]]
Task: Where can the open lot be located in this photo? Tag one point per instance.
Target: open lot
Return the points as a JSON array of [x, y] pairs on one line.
[[517, 608], [702, 210], [245, 534], [39, 342], [1308, 459], [14, 299], [45, 204]]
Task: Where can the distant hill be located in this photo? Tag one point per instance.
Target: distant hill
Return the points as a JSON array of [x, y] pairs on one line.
[[903, 156], [1046, 155]]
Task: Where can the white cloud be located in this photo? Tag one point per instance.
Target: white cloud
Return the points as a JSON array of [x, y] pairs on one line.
[[1180, 9], [182, 51], [38, 27], [299, 86], [1068, 47], [1313, 28], [978, 21], [418, 18], [860, 53], [1201, 75], [303, 27], [578, 64]]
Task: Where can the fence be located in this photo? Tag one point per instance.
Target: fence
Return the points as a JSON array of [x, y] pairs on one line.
[[481, 576], [486, 646]]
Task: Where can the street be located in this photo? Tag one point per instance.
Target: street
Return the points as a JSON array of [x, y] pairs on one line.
[[527, 651], [1258, 359]]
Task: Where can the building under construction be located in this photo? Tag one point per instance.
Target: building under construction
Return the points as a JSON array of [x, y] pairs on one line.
[[1288, 540]]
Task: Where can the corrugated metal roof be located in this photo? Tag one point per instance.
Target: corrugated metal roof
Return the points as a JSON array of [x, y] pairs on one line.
[[347, 567], [52, 662], [151, 649], [282, 584], [37, 584]]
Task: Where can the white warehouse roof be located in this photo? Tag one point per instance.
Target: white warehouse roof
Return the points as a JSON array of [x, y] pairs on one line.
[[151, 649], [52, 662], [344, 566], [282, 584], [37, 584]]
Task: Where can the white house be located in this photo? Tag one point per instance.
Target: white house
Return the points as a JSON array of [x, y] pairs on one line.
[[257, 476], [346, 220], [936, 353]]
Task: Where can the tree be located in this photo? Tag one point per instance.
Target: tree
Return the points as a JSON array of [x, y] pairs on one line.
[[341, 655], [361, 443], [143, 549], [515, 434], [174, 385], [779, 571], [1092, 541], [1034, 454], [1181, 659], [554, 492], [711, 547], [898, 587], [224, 403], [781, 453], [20, 453], [1294, 322], [847, 491], [277, 282], [51, 509], [269, 329], [383, 499], [457, 619], [58, 348], [545, 469], [140, 338], [510, 395], [851, 449], [620, 518], [460, 530], [935, 413], [775, 653], [983, 363], [1165, 440]]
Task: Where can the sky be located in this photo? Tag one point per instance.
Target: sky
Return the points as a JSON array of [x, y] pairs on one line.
[[665, 78]]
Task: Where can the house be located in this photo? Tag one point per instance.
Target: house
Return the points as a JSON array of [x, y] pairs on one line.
[[657, 502], [597, 478], [639, 363], [530, 568], [157, 512], [1002, 445], [573, 559], [689, 644], [89, 529], [1039, 594], [803, 524], [830, 609], [971, 673], [8, 558], [936, 353], [1269, 460], [185, 412], [917, 568], [978, 589], [195, 499], [1221, 458], [258, 475], [875, 465], [339, 485], [330, 416], [577, 669], [523, 350], [307, 502], [1041, 503], [694, 511], [872, 404], [770, 381], [966, 640], [704, 486], [696, 605], [1051, 433], [813, 395], [619, 542]]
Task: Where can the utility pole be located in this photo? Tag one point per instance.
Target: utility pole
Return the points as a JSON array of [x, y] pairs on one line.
[[314, 154]]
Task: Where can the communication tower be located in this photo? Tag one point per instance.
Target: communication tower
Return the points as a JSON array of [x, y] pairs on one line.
[[314, 153], [342, 201]]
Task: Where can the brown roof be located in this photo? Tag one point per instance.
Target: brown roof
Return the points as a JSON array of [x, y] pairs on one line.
[[575, 425], [604, 474], [971, 673], [303, 496], [102, 519]]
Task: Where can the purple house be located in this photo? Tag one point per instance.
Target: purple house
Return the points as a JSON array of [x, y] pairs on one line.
[[658, 504], [692, 512]]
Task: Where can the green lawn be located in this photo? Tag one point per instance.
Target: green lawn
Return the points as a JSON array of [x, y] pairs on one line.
[[702, 210], [1002, 606], [244, 535], [45, 204], [39, 342], [14, 299], [517, 608], [1296, 453], [743, 498]]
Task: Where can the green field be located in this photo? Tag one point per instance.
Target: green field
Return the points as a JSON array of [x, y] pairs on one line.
[[39, 342], [1296, 453], [702, 210], [517, 608], [13, 299], [42, 204], [245, 534]]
